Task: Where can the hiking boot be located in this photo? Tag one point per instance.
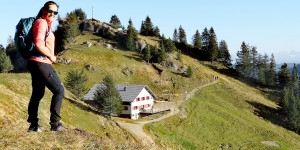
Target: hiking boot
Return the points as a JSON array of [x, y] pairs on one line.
[[57, 127], [34, 128]]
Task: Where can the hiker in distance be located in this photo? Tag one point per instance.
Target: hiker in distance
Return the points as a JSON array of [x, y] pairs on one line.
[[41, 70]]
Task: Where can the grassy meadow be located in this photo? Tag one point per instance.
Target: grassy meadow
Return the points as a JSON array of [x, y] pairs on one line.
[[223, 115]]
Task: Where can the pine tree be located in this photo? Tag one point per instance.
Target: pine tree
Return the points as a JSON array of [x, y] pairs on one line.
[[75, 82], [130, 44], [147, 53], [205, 39], [295, 83], [156, 31], [154, 53], [182, 35], [132, 36], [131, 31], [243, 61], [175, 36], [197, 40], [81, 15], [10, 44], [224, 55], [271, 75], [170, 45], [212, 45], [162, 54], [284, 103], [261, 78], [293, 112], [255, 63], [108, 98], [148, 27], [115, 21], [5, 63], [284, 76]]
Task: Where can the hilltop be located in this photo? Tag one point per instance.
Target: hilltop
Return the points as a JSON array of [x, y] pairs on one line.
[[229, 113]]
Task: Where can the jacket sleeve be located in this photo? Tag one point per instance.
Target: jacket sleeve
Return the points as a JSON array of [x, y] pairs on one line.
[[39, 34]]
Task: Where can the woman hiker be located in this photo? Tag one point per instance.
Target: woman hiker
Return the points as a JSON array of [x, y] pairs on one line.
[[41, 70]]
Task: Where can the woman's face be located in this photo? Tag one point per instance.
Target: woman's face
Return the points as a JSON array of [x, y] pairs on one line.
[[51, 16]]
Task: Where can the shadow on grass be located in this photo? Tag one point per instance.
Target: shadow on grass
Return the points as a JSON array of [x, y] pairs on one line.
[[83, 107], [136, 57], [269, 113]]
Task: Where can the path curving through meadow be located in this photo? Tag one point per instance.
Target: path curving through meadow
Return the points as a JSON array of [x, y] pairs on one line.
[[137, 128]]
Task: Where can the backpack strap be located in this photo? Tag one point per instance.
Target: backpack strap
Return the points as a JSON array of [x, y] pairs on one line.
[[47, 34]]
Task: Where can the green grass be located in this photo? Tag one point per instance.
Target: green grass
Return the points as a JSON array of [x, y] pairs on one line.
[[219, 114], [87, 129], [222, 115]]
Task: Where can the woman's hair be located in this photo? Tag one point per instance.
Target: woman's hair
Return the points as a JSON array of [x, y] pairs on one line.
[[46, 7]]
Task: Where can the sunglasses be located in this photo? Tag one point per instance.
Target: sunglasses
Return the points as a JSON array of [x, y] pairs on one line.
[[51, 11]]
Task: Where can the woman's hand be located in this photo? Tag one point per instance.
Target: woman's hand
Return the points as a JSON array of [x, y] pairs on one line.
[[52, 58]]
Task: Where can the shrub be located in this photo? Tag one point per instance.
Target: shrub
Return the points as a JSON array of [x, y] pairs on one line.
[[5, 63], [76, 82]]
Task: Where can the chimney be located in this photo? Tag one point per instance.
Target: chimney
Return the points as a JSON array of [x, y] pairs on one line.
[[124, 88]]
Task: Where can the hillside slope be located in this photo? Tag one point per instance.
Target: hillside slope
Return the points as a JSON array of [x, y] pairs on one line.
[[226, 115], [229, 108], [87, 129]]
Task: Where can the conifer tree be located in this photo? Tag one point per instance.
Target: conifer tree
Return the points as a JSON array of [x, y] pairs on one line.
[[148, 27], [261, 78], [175, 36], [284, 76], [224, 55], [284, 103], [197, 40], [293, 112], [170, 45], [205, 39], [132, 36], [295, 83], [156, 31], [155, 53], [115, 21], [10, 44], [147, 53], [182, 35], [271, 75], [130, 44], [108, 98], [256, 63], [131, 31], [81, 15], [75, 82], [212, 45], [243, 61], [162, 53], [5, 63]]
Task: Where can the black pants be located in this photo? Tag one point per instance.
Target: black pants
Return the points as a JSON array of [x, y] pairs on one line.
[[43, 75]]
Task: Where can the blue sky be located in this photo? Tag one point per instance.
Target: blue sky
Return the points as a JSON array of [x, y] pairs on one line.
[[273, 26]]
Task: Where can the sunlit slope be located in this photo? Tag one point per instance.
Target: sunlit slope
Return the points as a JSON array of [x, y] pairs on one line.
[[227, 115], [87, 129]]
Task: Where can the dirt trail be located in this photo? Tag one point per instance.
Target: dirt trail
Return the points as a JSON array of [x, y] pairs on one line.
[[137, 129]]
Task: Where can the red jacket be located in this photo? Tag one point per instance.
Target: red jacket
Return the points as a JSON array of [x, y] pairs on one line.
[[39, 33]]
